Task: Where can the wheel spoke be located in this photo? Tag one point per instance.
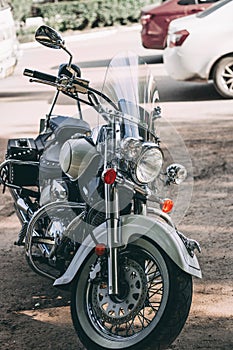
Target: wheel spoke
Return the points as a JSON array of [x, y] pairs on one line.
[[229, 84], [229, 70], [137, 304], [144, 318], [229, 81], [228, 77]]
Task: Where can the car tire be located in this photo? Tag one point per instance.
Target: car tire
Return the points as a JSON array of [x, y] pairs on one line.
[[223, 77]]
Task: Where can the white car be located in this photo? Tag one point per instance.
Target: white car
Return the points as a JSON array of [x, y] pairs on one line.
[[200, 47]]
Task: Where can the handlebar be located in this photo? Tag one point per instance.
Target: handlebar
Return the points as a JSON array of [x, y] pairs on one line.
[[40, 75], [69, 86]]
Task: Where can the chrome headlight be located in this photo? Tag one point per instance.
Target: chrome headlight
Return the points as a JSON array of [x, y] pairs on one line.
[[131, 148], [176, 173], [149, 163]]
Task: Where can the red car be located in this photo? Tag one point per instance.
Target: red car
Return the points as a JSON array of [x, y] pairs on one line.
[[156, 18]]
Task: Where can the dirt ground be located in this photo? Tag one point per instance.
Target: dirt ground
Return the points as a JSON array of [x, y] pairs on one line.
[[35, 315]]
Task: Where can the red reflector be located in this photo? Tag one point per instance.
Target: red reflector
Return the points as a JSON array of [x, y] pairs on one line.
[[167, 205], [109, 176], [100, 249]]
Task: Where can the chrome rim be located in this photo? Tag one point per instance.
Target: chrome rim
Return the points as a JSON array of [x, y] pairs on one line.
[[227, 77], [141, 302]]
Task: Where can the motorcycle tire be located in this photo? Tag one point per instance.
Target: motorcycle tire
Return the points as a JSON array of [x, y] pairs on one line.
[[150, 310], [223, 75]]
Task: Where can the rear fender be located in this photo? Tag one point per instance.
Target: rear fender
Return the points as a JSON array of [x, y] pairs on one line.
[[133, 227]]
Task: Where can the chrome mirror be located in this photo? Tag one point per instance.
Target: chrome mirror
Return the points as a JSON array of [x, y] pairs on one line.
[[49, 37]]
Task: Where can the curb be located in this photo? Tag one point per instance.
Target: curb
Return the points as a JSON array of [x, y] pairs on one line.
[[99, 33]]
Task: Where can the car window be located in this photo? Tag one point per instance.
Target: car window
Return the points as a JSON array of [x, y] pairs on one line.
[[195, 2], [186, 2], [212, 9], [206, 1]]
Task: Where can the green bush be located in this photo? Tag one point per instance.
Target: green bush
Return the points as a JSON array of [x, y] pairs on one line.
[[77, 15], [21, 9]]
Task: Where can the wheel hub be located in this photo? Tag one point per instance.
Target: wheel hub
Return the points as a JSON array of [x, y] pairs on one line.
[[123, 307]]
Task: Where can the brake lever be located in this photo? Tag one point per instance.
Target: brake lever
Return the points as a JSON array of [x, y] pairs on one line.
[[79, 85], [32, 80], [76, 85]]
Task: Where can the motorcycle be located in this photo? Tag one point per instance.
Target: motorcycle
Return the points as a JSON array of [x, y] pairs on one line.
[[82, 195]]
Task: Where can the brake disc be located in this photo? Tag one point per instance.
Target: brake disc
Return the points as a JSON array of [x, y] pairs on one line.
[[133, 293]]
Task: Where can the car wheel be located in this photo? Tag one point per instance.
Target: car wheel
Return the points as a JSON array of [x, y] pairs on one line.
[[223, 77]]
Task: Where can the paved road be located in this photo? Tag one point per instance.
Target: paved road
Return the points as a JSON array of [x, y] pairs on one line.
[[22, 104]]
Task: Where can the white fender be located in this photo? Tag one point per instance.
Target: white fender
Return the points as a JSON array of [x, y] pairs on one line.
[[133, 227]]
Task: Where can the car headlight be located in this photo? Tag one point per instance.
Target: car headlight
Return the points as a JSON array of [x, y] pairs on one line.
[[149, 164]]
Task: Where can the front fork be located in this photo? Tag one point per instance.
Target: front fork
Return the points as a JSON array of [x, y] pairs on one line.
[[114, 237]]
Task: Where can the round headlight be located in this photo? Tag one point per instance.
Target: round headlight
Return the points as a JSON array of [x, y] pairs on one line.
[[176, 173], [149, 165], [131, 148]]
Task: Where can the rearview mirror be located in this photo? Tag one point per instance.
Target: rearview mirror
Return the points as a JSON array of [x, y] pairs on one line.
[[49, 37]]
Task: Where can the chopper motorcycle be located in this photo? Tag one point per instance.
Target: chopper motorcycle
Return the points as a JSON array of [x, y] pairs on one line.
[[82, 196]]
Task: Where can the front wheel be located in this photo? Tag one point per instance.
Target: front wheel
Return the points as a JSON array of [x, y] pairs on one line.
[[150, 310], [223, 77]]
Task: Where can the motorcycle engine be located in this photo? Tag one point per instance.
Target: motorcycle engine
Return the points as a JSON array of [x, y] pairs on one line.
[[52, 191]]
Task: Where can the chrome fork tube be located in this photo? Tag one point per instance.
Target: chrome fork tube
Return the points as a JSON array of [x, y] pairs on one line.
[[113, 237], [112, 212]]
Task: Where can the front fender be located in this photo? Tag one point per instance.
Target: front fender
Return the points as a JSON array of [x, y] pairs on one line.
[[133, 227]]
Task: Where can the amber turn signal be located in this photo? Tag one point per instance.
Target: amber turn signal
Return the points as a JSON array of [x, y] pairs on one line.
[[167, 205]]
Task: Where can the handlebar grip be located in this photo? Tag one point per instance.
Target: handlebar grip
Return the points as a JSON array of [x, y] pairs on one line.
[[40, 75]]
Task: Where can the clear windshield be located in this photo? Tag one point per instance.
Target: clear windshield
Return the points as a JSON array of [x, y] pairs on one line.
[[131, 86]]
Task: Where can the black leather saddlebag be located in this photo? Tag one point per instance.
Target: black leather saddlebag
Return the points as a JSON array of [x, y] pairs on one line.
[[23, 169], [23, 174], [22, 149]]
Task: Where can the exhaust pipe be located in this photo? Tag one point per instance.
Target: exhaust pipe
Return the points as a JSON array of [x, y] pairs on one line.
[[24, 214], [22, 206]]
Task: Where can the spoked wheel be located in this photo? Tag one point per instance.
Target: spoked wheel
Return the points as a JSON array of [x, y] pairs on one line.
[[149, 311], [223, 77]]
